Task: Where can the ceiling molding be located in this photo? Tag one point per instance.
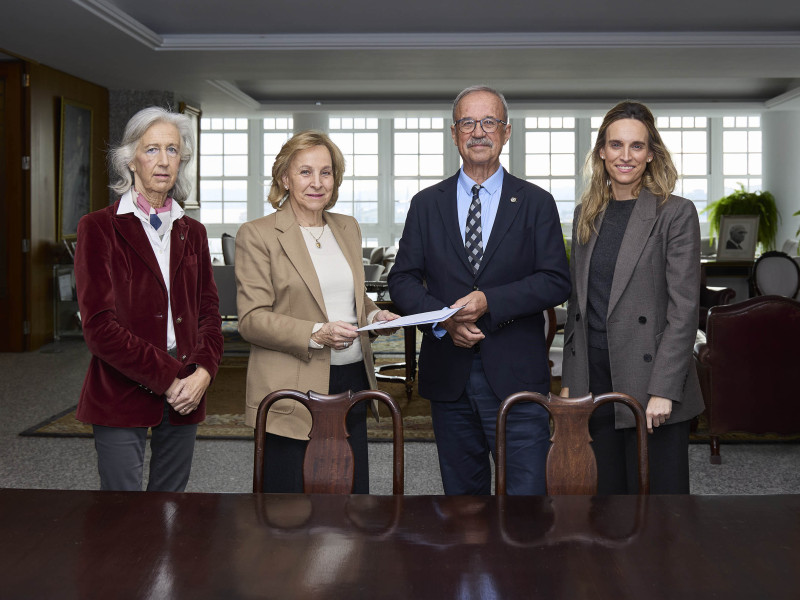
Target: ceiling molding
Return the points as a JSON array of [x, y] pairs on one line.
[[790, 99], [234, 92], [122, 21], [396, 41]]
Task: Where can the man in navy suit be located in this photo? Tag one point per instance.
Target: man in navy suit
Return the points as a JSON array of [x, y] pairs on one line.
[[491, 243]]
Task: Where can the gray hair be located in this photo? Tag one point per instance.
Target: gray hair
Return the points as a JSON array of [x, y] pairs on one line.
[[481, 88], [121, 156]]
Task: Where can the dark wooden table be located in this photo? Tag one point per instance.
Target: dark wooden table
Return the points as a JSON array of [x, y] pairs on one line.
[[82, 544]]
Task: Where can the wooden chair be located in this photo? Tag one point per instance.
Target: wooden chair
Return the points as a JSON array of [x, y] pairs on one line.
[[571, 466], [328, 464]]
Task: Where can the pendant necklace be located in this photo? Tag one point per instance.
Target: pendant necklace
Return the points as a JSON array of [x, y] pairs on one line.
[[316, 238]]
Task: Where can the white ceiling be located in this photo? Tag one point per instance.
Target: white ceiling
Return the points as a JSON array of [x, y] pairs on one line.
[[246, 56]]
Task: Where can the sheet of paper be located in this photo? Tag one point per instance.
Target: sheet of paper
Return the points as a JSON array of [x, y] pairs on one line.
[[435, 316]]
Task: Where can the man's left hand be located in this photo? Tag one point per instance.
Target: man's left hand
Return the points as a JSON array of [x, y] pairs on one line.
[[475, 306]]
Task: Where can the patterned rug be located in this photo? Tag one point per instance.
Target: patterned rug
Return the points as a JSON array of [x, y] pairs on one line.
[[225, 416], [224, 411]]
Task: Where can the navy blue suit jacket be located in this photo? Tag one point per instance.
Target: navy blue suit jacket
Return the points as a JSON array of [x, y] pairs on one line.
[[523, 272]]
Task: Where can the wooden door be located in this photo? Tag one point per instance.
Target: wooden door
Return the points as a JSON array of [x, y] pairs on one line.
[[14, 202]]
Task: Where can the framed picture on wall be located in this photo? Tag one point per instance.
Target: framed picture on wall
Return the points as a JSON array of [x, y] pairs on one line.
[[193, 168], [75, 167], [738, 235]]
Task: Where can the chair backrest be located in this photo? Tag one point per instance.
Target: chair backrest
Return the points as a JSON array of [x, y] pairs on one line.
[[748, 366], [571, 466], [372, 272], [328, 463], [228, 248], [225, 279], [790, 247], [776, 274]]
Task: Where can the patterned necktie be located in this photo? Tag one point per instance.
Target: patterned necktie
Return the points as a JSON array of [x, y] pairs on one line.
[[155, 221], [472, 234]]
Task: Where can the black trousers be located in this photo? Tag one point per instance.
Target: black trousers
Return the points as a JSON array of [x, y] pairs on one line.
[[283, 466], [615, 449]]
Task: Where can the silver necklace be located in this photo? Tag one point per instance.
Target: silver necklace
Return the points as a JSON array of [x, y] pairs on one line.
[[316, 238]]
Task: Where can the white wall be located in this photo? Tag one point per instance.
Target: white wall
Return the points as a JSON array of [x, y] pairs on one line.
[[781, 167]]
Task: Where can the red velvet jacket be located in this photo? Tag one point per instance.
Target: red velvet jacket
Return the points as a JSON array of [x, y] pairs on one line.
[[123, 304]]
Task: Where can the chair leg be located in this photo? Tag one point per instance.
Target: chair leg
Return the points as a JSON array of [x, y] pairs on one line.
[[716, 459]]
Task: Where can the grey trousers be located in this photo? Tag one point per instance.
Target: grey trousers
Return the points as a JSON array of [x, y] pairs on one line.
[[120, 456]]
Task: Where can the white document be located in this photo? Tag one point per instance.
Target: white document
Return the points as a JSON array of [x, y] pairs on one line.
[[435, 316]]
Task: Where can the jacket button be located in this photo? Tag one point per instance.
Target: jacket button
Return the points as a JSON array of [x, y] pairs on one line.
[[578, 317], [183, 357], [642, 320], [181, 237], [648, 358], [475, 288], [179, 320]]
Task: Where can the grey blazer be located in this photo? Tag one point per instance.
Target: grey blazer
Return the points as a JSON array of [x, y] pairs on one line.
[[652, 311]]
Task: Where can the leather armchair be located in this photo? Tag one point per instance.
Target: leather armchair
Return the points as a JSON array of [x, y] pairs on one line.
[[713, 296], [748, 368]]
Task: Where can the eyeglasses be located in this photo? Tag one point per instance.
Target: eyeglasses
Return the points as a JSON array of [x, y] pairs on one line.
[[489, 124]]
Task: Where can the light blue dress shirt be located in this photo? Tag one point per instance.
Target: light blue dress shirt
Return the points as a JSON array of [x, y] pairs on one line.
[[490, 200]]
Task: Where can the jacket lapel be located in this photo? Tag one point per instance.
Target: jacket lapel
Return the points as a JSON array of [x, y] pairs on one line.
[[447, 203], [291, 240], [177, 246], [642, 221], [582, 285], [511, 198], [130, 229]]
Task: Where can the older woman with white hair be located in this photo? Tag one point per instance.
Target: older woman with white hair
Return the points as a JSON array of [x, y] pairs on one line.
[[149, 308]]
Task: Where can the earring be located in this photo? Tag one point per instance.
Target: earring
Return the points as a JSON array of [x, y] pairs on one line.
[[649, 159], [602, 157]]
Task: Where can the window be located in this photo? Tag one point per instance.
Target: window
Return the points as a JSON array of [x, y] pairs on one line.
[[550, 159], [389, 158], [224, 169], [276, 130], [357, 138], [418, 159], [741, 153], [686, 138]]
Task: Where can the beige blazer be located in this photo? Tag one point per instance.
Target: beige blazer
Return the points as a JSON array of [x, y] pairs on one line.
[[652, 311], [279, 300]]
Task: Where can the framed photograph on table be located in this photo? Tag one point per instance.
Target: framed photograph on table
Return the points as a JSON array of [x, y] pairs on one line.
[[75, 168], [738, 235], [193, 168]]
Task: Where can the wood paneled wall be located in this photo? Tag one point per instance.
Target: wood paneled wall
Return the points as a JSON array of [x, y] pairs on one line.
[[47, 87]]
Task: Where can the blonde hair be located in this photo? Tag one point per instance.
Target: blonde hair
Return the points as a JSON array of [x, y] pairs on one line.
[[660, 174], [297, 143]]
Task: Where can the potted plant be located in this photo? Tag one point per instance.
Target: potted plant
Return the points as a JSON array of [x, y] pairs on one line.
[[742, 202]]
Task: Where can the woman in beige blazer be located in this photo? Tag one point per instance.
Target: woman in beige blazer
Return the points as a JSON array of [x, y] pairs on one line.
[[633, 311], [300, 297]]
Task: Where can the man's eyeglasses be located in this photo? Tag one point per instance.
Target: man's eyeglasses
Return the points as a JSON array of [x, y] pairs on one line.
[[489, 124]]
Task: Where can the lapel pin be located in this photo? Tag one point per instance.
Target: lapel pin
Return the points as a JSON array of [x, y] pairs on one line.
[[513, 198]]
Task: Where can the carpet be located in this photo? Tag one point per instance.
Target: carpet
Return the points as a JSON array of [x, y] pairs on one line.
[[225, 405], [225, 416]]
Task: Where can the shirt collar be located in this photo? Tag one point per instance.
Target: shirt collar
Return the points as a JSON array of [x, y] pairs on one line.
[[491, 185], [128, 205]]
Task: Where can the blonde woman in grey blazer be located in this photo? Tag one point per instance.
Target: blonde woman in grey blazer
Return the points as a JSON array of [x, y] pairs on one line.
[[633, 311]]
